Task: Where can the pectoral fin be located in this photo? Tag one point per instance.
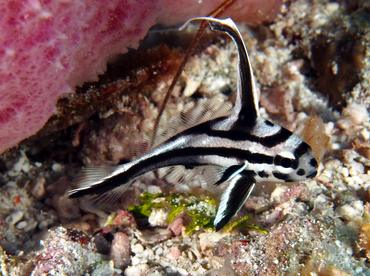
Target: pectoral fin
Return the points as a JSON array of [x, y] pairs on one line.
[[234, 198]]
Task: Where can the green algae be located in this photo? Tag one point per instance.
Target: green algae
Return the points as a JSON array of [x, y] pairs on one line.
[[202, 209], [242, 223]]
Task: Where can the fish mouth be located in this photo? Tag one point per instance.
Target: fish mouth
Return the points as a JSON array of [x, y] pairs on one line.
[[312, 175]]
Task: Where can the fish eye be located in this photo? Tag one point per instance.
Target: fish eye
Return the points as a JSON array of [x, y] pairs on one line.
[[285, 162]]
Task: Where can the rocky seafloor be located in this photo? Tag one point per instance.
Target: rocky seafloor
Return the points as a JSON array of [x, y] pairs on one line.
[[312, 68]]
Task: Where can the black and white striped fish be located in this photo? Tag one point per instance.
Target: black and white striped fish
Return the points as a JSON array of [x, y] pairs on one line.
[[243, 147]]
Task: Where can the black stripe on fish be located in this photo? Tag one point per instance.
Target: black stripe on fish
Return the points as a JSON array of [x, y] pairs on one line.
[[313, 163], [248, 112], [188, 156], [196, 152], [280, 137], [263, 174], [281, 176], [268, 123], [302, 149], [240, 134], [229, 173]]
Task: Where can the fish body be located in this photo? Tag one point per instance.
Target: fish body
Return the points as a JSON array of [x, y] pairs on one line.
[[241, 146]]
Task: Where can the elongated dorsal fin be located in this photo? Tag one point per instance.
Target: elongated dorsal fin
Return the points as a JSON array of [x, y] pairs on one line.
[[246, 106]]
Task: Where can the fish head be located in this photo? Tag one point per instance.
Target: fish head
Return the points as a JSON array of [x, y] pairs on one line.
[[291, 165], [292, 159]]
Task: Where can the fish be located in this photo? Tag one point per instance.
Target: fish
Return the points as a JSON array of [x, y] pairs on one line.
[[241, 146]]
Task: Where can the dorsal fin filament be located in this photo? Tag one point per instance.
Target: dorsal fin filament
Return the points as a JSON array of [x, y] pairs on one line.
[[246, 106]]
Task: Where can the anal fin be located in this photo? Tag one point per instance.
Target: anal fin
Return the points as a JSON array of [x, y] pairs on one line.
[[233, 198]]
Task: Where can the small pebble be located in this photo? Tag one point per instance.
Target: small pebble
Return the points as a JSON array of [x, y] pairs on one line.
[[14, 217], [105, 268], [182, 271], [332, 7], [56, 167], [136, 260], [356, 168], [135, 270], [66, 207], [158, 217], [352, 211], [156, 235], [365, 177], [38, 188], [358, 180], [26, 167], [358, 113], [159, 251], [120, 250], [175, 253], [191, 255], [153, 189], [176, 226], [137, 248], [349, 251], [43, 225], [21, 225], [364, 134], [345, 172], [18, 166], [333, 164], [277, 194]]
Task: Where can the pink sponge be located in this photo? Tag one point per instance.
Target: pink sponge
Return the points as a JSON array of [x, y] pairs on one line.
[[47, 47]]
